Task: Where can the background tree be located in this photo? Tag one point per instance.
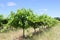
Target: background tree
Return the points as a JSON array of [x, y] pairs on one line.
[[1, 18], [57, 18]]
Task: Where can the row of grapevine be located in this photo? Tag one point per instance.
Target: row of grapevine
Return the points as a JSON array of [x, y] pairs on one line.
[[25, 18]]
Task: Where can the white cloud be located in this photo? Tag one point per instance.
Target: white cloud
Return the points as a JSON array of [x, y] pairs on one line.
[[11, 4], [45, 10], [41, 11]]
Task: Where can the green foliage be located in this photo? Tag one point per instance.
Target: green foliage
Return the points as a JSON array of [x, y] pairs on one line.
[[25, 18], [47, 21], [4, 21], [1, 18]]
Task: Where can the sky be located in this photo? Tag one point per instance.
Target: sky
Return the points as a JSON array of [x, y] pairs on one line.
[[49, 7]]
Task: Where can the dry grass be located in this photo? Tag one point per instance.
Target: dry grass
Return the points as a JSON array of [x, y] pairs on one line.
[[53, 34], [13, 35]]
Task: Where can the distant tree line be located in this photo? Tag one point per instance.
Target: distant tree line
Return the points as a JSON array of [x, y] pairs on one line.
[[57, 18]]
